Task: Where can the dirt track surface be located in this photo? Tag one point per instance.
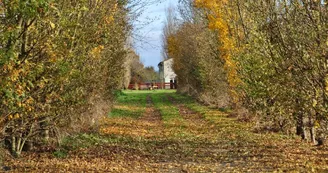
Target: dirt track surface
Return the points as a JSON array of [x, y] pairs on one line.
[[172, 133]]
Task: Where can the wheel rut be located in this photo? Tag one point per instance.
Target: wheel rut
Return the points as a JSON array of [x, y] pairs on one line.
[[192, 117], [151, 115], [150, 123]]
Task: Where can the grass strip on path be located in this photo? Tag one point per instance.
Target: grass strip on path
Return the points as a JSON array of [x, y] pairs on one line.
[[170, 114], [130, 104]]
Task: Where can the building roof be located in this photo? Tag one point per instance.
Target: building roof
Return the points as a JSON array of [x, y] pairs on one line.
[[161, 63]]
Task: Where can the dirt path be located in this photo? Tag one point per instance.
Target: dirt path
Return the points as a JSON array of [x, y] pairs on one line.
[[151, 114], [174, 134]]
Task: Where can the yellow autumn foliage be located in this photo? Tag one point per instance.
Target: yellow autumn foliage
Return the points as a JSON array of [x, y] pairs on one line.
[[58, 55], [218, 21], [96, 52]]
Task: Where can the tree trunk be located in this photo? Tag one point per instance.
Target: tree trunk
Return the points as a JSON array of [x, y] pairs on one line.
[[312, 131], [45, 129], [300, 125], [313, 135], [13, 144]]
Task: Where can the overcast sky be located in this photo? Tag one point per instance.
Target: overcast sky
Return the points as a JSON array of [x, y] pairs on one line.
[[149, 47]]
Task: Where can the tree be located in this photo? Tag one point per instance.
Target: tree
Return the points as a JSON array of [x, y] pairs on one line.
[[283, 66], [273, 55], [196, 59], [55, 57], [170, 27], [150, 75], [218, 13]]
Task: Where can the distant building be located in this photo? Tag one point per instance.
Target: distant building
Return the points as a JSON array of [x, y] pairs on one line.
[[167, 74]]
